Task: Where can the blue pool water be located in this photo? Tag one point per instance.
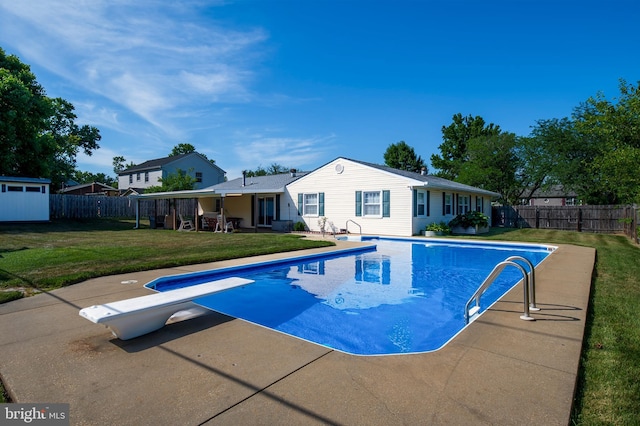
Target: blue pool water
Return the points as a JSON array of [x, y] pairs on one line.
[[401, 296]]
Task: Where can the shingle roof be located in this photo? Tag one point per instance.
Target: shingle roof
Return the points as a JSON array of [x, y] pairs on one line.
[[154, 164], [24, 179], [257, 184], [431, 181]]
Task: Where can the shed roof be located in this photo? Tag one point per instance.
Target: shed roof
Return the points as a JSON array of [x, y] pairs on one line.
[[24, 179]]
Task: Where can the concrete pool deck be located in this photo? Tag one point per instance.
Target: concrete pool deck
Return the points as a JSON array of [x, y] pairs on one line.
[[216, 370]]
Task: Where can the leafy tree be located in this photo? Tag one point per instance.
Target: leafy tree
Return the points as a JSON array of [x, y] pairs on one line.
[[612, 129], [182, 148], [455, 137], [273, 169], [179, 181], [491, 164], [38, 135], [88, 177], [403, 157]]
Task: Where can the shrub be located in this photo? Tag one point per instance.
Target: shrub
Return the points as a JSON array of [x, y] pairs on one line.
[[470, 219], [299, 227], [438, 227]]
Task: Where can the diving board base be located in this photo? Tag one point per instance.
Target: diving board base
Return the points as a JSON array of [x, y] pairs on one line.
[[141, 315]]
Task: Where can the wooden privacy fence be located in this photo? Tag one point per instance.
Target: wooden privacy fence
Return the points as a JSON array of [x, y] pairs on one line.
[[600, 219], [97, 206]]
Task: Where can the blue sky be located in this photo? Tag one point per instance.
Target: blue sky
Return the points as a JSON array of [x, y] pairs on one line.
[[299, 83]]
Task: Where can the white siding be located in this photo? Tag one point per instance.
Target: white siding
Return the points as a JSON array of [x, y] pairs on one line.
[[339, 198], [24, 206]]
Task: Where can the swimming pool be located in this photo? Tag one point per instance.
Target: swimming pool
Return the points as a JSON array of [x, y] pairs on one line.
[[396, 296]]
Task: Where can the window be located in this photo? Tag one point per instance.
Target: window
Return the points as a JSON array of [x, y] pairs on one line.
[[138, 177], [131, 178], [32, 188], [310, 205], [446, 204], [198, 176], [479, 205], [372, 203], [146, 176], [13, 188], [463, 204], [420, 203]]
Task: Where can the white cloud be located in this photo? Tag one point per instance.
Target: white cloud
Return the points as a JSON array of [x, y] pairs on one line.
[[149, 57], [285, 151]]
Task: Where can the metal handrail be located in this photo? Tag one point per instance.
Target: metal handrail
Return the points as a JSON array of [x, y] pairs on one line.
[[489, 280], [532, 281], [346, 226]]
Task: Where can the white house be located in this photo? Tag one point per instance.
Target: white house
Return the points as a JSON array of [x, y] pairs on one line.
[[147, 174], [375, 199], [352, 195], [24, 199]]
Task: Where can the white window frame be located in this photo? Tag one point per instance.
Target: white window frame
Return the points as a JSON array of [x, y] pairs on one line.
[[479, 204], [421, 203], [464, 203], [448, 204], [306, 205], [371, 204]]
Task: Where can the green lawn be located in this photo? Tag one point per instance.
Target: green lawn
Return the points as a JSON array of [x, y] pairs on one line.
[[47, 256], [52, 255]]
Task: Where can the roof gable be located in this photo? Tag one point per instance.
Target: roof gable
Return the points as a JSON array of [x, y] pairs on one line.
[[418, 179]]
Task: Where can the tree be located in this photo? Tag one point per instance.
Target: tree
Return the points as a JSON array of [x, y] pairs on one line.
[[88, 177], [455, 137], [612, 129], [182, 148], [491, 164], [273, 169], [403, 157], [68, 139], [179, 181], [38, 135]]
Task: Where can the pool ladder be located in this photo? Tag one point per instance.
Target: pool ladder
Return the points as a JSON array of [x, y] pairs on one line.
[[529, 287]]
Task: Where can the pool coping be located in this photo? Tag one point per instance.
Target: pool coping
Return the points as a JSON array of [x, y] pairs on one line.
[[216, 370]]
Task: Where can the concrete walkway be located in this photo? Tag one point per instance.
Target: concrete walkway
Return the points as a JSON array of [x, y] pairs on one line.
[[216, 370]]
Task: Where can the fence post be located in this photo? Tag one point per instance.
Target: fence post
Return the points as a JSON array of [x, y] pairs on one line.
[[579, 219]]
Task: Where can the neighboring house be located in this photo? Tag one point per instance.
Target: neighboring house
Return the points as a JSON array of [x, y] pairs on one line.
[[148, 173], [351, 194], [93, 188], [553, 196], [24, 199]]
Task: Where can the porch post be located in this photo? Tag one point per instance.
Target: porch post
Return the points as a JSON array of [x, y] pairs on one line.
[[137, 214], [255, 213], [195, 216], [175, 219]]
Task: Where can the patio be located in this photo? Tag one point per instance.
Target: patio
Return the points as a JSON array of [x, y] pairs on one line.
[[217, 370]]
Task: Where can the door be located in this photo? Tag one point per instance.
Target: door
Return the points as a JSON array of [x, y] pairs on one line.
[[266, 210]]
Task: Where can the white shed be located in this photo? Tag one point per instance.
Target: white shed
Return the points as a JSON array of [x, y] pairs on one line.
[[24, 199]]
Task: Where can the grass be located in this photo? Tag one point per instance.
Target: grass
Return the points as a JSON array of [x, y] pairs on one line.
[[48, 256], [37, 257]]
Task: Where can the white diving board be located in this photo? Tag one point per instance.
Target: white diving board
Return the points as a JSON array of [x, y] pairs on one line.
[[141, 315]]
